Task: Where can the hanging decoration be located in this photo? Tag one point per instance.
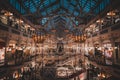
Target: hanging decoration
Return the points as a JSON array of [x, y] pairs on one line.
[[40, 36], [79, 36]]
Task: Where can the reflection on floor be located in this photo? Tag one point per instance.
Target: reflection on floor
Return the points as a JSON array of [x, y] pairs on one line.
[[63, 67], [44, 68]]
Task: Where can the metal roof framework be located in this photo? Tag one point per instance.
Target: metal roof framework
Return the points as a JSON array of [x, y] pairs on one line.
[[36, 10]]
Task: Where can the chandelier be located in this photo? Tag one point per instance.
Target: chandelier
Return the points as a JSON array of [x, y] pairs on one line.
[[79, 37], [39, 37]]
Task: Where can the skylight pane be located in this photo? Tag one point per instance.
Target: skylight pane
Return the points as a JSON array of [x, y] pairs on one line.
[[71, 9], [73, 2], [31, 3], [83, 2], [17, 6], [46, 2], [22, 11], [65, 3], [97, 10], [36, 1], [52, 1], [55, 7], [49, 10], [88, 4], [86, 9], [43, 13], [42, 6], [32, 9], [102, 5], [12, 1], [92, 4], [76, 13], [26, 4]]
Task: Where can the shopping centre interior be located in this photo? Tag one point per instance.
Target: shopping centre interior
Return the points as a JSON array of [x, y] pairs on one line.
[[59, 39]]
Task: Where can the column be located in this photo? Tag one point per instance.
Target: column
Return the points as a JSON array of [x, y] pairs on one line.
[[112, 39], [101, 45], [7, 43]]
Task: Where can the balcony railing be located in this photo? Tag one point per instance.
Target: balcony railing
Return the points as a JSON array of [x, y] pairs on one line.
[[25, 35], [3, 27], [115, 27], [98, 59], [104, 31], [14, 30]]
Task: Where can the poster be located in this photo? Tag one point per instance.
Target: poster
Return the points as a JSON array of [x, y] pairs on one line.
[[108, 53]]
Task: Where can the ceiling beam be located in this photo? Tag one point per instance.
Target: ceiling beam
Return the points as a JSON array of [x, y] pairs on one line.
[[81, 8], [55, 12], [75, 6], [97, 4], [37, 11], [86, 3], [65, 9], [79, 3], [92, 9], [40, 17], [39, 4]]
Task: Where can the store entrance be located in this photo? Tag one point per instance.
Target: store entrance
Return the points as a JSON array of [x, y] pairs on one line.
[[60, 48]]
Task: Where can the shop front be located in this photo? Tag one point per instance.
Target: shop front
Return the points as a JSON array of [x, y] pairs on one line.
[[117, 51], [10, 52], [104, 53], [108, 53], [14, 53]]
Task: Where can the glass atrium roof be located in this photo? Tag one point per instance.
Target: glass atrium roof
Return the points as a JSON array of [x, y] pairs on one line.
[[45, 8]]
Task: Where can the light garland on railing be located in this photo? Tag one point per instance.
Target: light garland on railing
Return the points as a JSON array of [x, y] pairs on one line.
[[111, 13], [8, 14]]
